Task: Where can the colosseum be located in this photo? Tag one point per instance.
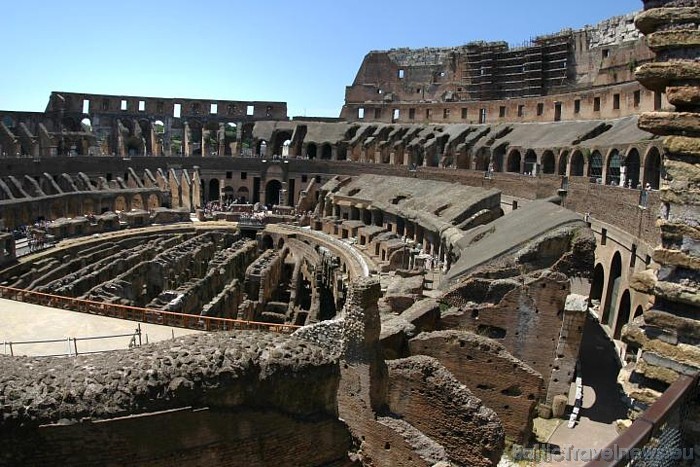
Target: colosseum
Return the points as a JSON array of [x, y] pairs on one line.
[[490, 258]]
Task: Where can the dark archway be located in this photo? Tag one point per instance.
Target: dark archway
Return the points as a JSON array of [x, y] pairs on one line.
[[563, 162], [530, 165], [598, 283], [242, 194], [613, 168], [613, 288], [311, 151], [326, 152], [228, 193], [272, 192], [214, 189], [267, 243], [595, 167], [577, 164], [632, 166], [652, 168], [639, 311], [481, 161], [623, 314], [497, 160], [513, 164], [548, 162]]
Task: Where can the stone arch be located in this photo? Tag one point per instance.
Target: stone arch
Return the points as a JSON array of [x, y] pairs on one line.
[[311, 150], [326, 152], [513, 162], [562, 163], [638, 312], [120, 204], [598, 283], [613, 164], [548, 162], [243, 194], [623, 314], [272, 192], [482, 158], [595, 166], [463, 160], [214, 188], [280, 243], [229, 193], [137, 202], [530, 163], [652, 168], [632, 168], [267, 243], [577, 164], [499, 153], [153, 201], [343, 152], [612, 288]]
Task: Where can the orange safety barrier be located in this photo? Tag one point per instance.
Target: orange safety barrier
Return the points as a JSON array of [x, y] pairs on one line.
[[144, 315]]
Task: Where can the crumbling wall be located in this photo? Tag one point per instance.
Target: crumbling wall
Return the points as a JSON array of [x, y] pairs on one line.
[[243, 398], [504, 383]]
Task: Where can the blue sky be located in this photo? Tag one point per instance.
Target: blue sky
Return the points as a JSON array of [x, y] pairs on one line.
[[304, 52]]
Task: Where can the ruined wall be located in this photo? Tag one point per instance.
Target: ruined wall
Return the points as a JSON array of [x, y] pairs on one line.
[[502, 382], [225, 399], [667, 335]]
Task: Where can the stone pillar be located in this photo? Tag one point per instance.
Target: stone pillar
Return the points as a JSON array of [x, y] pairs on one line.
[[664, 334], [186, 137]]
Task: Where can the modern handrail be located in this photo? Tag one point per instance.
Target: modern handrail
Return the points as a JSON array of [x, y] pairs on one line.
[[619, 452]]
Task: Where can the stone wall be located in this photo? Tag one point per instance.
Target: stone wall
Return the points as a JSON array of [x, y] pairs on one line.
[[667, 335], [503, 383], [226, 399]]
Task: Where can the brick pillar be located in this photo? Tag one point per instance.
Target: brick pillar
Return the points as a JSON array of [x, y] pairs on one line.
[[570, 335]]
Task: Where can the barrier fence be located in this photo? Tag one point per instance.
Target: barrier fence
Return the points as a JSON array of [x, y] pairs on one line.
[[656, 438], [143, 315], [71, 344]]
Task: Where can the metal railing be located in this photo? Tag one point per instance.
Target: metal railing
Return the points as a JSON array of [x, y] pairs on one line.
[[144, 315], [656, 437], [135, 340]]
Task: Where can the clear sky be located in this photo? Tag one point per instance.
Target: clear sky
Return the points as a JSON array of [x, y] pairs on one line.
[[303, 52]]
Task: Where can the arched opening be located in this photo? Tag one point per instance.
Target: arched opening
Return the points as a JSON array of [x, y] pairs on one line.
[[613, 168], [613, 288], [230, 138], [273, 193], [280, 243], [563, 162], [267, 243], [311, 151], [195, 137], [577, 164], [595, 167], [597, 284], [497, 160], [229, 194], [261, 148], [285, 148], [632, 166], [326, 152], [242, 194], [530, 166], [513, 164], [638, 312], [214, 189], [548, 162], [463, 160], [481, 161], [623, 314], [342, 152], [652, 168]]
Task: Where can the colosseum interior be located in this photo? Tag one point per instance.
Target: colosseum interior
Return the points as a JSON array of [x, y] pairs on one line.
[[490, 257]]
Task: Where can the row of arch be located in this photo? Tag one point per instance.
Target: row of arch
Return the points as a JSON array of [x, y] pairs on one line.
[[614, 296], [613, 167]]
